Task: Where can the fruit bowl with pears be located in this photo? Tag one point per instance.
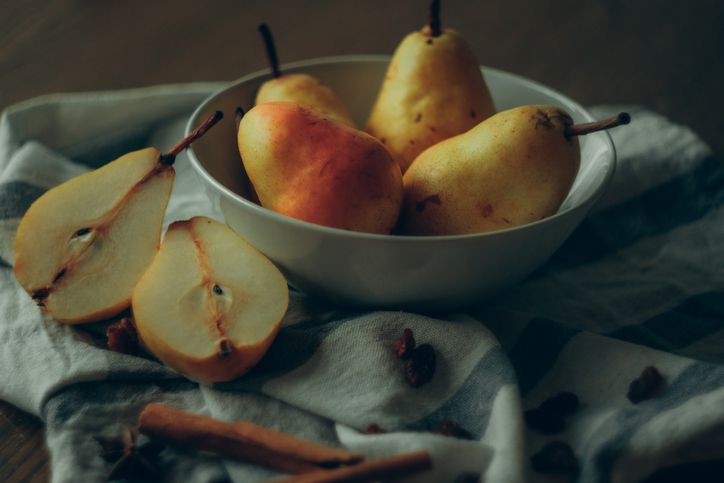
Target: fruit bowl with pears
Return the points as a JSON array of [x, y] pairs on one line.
[[395, 184]]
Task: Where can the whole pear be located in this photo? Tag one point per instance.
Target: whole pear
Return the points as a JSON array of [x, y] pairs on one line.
[[433, 90], [304, 165], [516, 167], [300, 88]]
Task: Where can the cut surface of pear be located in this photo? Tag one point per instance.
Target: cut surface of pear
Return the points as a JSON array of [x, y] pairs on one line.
[[311, 168], [82, 246], [307, 91], [433, 90], [210, 304], [516, 167]]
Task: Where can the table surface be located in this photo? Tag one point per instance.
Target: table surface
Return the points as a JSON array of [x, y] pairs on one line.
[[664, 54]]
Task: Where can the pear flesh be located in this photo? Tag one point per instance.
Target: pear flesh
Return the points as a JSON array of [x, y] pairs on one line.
[[514, 168], [210, 304], [307, 91], [433, 90], [311, 168], [82, 246]]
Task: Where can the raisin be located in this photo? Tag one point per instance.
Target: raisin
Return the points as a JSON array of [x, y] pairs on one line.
[[450, 428], [645, 386], [420, 367], [543, 421], [122, 336], [555, 457], [405, 344], [562, 403], [374, 428]]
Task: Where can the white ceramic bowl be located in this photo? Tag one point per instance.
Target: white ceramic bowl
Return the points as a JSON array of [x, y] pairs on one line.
[[386, 271]]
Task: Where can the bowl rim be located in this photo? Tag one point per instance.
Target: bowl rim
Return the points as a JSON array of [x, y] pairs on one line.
[[394, 238]]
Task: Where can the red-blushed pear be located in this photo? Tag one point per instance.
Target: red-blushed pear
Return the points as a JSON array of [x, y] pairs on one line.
[[210, 304], [515, 167], [82, 246], [300, 88], [309, 167], [433, 90]]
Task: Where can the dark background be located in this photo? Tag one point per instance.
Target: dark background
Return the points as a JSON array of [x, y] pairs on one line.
[[664, 54]]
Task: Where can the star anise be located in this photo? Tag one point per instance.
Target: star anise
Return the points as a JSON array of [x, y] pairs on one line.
[[132, 461]]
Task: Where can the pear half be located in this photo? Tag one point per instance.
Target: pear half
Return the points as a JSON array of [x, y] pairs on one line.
[[210, 304], [83, 245]]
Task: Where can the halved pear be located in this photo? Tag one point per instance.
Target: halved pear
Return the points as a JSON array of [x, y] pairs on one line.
[[210, 304], [82, 246]]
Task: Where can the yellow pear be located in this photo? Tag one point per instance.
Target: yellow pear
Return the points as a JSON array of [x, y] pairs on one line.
[[433, 90], [82, 246], [513, 168], [210, 304], [309, 167], [300, 88]]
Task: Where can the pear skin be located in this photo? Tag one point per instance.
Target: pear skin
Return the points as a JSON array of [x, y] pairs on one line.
[[516, 167], [300, 88], [433, 90], [306, 90], [304, 165]]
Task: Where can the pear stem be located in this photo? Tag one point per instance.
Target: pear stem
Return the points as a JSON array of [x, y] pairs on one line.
[[239, 115], [271, 50], [170, 156], [581, 129], [435, 26]]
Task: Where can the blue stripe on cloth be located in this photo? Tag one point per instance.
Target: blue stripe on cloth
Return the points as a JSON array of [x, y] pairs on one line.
[[294, 345], [537, 349], [682, 200], [610, 439], [694, 319], [78, 397], [16, 197], [470, 406]]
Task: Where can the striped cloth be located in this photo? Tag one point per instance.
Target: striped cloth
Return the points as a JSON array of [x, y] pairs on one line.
[[638, 284]]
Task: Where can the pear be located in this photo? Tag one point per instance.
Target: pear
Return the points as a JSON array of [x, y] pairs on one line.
[[82, 246], [307, 166], [433, 90], [300, 88], [516, 167], [210, 304]]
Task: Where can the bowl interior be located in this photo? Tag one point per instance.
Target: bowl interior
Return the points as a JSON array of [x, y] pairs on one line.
[[357, 79]]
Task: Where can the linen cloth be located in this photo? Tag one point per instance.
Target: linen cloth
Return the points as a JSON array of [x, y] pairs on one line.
[[639, 283]]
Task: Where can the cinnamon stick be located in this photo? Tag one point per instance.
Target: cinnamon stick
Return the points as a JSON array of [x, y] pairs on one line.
[[243, 441], [384, 468]]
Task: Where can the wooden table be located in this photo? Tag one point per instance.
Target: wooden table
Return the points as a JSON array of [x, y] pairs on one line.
[[664, 54]]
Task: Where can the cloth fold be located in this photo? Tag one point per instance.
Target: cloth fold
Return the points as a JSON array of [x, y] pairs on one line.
[[639, 283]]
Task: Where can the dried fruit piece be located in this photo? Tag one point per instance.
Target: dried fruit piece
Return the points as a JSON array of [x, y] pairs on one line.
[[562, 403], [543, 421], [122, 336], [555, 457], [645, 386], [405, 344], [448, 427], [420, 367], [374, 428]]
